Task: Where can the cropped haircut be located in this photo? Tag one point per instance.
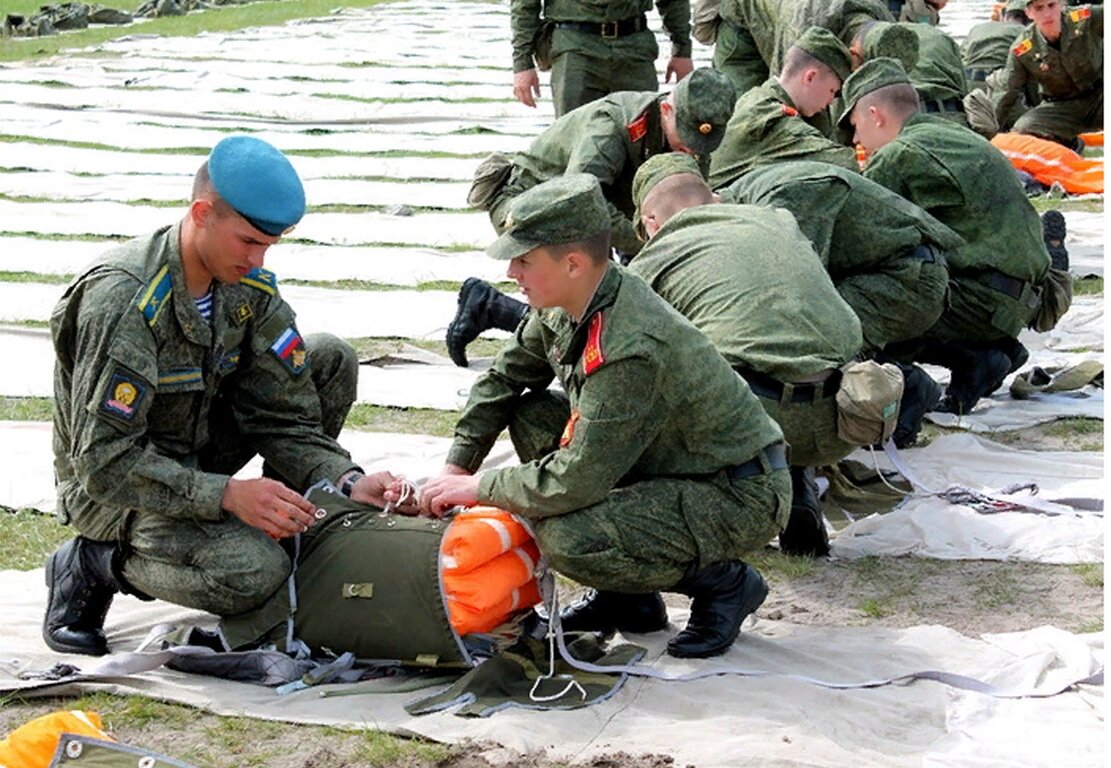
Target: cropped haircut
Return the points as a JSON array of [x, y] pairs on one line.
[[203, 189], [798, 61], [900, 99], [596, 247]]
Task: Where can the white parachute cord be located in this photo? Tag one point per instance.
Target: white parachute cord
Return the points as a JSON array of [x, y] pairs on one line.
[[554, 628]]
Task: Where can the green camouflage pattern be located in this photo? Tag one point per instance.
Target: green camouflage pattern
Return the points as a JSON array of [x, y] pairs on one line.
[[585, 66], [863, 233], [1069, 77], [824, 46], [594, 139], [939, 73], [987, 46], [566, 209], [747, 278], [968, 185], [635, 489], [773, 26], [767, 128], [737, 57], [155, 409]]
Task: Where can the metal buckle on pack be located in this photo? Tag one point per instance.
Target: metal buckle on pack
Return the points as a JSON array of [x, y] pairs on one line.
[[609, 30]]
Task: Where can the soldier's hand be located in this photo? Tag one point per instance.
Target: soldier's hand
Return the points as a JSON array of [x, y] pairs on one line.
[[442, 493], [380, 488], [680, 67], [269, 506], [526, 87]]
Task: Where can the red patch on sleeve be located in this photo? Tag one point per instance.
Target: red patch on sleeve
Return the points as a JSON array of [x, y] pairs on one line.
[[637, 128], [569, 430], [1081, 13], [1022, 47], [790, 111], [593, 357]]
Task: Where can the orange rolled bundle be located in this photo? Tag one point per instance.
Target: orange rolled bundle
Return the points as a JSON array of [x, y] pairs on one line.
[[478, 535], [33, 744], [465, 620], [1049, 162], [1093, 139]]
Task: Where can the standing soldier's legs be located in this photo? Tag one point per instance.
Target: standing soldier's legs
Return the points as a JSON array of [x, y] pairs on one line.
[[586, 67], [736, 57]]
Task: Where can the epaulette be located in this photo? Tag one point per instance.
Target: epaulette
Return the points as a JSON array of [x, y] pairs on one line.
[[155, 295], [262, 279], [638, 128], [790, 111], [1023, 47], [1080, 14], [593, 356]]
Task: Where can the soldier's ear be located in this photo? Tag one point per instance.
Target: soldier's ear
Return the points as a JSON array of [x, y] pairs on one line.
[[200, 211]]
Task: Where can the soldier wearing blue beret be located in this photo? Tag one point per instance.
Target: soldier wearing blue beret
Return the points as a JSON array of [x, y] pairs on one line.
[[177, 362]]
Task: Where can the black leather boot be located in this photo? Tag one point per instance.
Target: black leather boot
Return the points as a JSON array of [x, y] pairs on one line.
[[1053, 232], [607, 612], [921, 395], [724, 595], [980, 379], [805, 533], [81, 582], [480, 308]]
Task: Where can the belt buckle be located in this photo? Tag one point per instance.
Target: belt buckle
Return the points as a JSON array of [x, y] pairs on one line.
[[609, 30]]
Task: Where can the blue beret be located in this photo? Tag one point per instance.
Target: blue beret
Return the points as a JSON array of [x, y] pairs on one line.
[[257, 180]]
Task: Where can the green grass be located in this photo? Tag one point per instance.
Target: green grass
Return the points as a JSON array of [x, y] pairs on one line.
[[772, 564], [29, 536], [26, 408], [1090, 573], [414, 421], [1042, 204], [1089, 286], [996, 590], [873, 608], [228, 18], [34, 277]]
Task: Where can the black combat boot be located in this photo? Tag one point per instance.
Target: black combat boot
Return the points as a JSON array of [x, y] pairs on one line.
[[480, 308], [1053, 231], [805, 533], [921, 395], [981, 378], [81, 579], [607, 612], [725, 594]]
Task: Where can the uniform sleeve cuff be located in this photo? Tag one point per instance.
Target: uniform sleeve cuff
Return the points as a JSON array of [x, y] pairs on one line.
[[465, 457], [682, 50]]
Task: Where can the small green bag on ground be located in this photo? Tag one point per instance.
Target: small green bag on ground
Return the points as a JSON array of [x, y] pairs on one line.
[[868, 402]]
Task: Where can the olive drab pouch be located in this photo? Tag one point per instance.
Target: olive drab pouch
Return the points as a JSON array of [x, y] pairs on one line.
[[542, 46], [490, 176], [868, 402], [1054, 302]]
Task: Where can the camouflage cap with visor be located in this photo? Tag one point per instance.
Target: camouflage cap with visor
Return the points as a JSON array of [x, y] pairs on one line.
[[824, 46], [704, 102], [875, 74], [656, 169], [565, 209]]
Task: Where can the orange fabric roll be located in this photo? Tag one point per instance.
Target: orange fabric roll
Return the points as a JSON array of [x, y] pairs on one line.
[[1049, 162], [466, 620], [32, 745], [1093, 139], [485, 586], [478, 535]]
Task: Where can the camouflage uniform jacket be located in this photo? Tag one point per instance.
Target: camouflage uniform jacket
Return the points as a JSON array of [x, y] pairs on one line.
[[649, 395], [967, 184], [526, 18], [939, 73], [775, 25], [854, 224], [1068, 70], [609, 138], [987, 46], [136, 375], [748, 279], [767, 128]]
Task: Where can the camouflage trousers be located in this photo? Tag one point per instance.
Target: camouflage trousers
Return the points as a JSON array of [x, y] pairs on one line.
[[586, 67], [901, 301], [810, 429], [645, 533], [228, 567], [978, 312], [736, 57], [1063, 120]]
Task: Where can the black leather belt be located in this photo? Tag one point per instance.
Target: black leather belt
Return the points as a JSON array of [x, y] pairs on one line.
[[952, 104], [773, 456], [1011, 286], [608, 30], [772, 389]]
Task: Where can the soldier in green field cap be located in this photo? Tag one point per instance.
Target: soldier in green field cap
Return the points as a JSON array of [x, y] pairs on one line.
[[747, 277], [769, 122], [177, 362], [1061, 50], [594, 48], [996, 285], [609, 139], [655, 468]]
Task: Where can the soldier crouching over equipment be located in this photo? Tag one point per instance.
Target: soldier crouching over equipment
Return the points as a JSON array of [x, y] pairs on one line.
[[177, 362]]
